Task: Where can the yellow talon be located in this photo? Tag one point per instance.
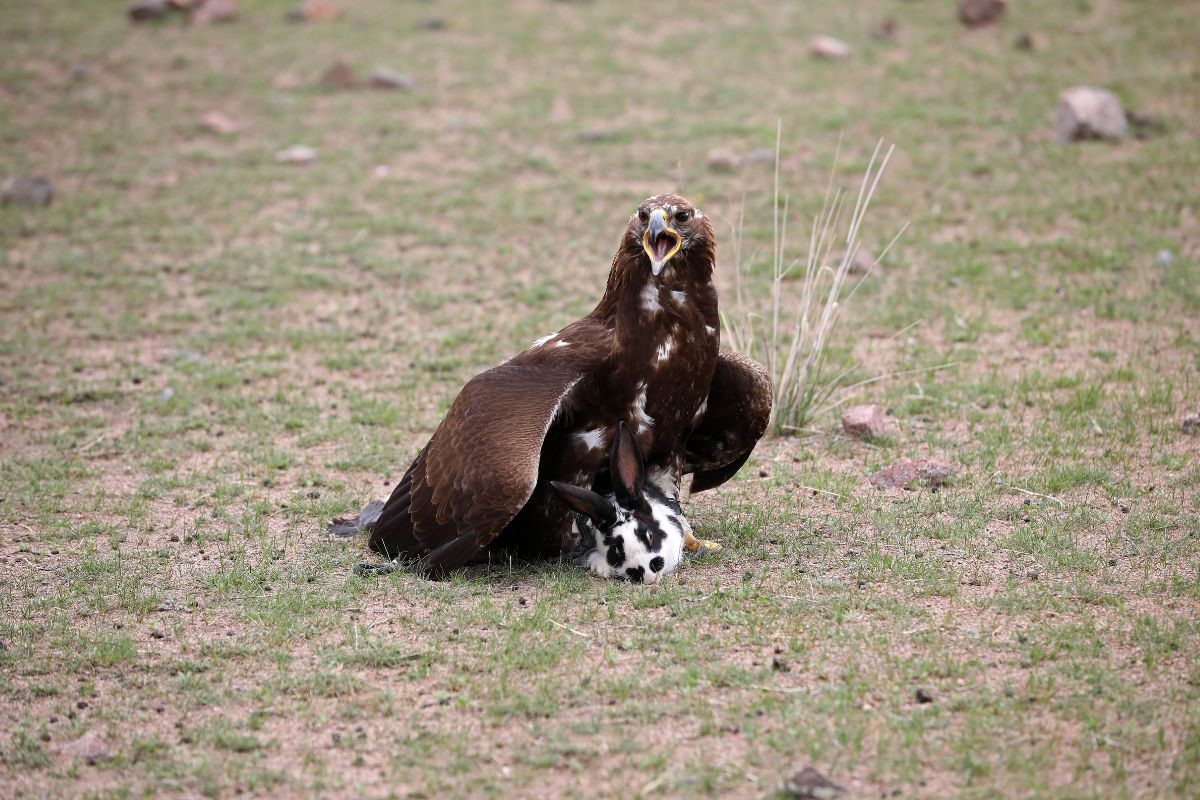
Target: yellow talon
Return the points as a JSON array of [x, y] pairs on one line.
[[694, 545]]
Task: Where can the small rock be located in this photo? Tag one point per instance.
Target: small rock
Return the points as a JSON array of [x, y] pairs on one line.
[[811, 783], [1124, 504], [1191, 423], [931, 473], [1144, 123], [922, 696], [216, 122], [90, 747], [27, 190], [315, 11], [780, 665], [156, 634], [1085, 112], [863, 263], [147, 10], [597, 135], [908, 472], [977, 13], [1025, 41], [828, 47], [721, 160], [211, 12], [864, 422], [339, 75], [384, 78], [1163, 258], [431, 24], [759, 155], [167, 394], [296, 154], [884, 30]]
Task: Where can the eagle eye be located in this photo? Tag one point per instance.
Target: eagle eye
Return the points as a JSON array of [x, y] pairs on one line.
[[643, 215], [682, 216]]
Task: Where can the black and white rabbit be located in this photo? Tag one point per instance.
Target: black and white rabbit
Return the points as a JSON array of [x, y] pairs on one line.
[[637, 532]]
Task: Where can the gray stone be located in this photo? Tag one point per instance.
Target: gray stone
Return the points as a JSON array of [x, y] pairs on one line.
[[828, 47], [908, 472], [977, 13], [147, 10], [810, 783], [384, 78], [27, 190], [1085, 112]]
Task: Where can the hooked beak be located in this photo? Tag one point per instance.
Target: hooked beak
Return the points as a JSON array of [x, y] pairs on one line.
[[660, 241]]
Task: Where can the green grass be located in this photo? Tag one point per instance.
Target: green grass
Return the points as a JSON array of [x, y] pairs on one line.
[[205, 354]]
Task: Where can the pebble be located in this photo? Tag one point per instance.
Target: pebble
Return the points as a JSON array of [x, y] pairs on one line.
[[27, 190], [384, 78], [828, 47], [296, 154], [1086, 112]]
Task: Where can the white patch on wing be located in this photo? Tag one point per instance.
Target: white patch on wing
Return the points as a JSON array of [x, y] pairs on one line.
[[700, 411], [637, 414], [650, 302], [664, 350], [593, 439], [561, 343], [710, 330], [678, 296], [544, 339]]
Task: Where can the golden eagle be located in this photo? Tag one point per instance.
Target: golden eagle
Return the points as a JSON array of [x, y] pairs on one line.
[[646, 357]]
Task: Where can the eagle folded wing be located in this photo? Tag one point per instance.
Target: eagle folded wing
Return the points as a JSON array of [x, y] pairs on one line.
[[735, 417], [477, 471]]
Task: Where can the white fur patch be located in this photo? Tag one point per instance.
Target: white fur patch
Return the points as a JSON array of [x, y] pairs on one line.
[[593, 439], [650, 302]]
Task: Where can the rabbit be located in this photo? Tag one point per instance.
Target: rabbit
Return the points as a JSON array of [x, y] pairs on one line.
[[637, 532]]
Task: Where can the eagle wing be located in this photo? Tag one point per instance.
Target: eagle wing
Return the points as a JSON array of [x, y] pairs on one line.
[[479, 468], [735, 417]]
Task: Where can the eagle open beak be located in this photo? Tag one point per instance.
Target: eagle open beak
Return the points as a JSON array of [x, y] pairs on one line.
[[660, 241]]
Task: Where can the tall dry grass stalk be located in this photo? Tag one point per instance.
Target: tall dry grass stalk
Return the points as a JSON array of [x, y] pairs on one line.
[[792, 345]]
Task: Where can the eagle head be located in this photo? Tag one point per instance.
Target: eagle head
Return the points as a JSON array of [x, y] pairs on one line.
[[666, 229]]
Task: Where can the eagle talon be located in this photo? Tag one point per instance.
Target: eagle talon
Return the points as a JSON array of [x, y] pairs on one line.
[[699, 546]]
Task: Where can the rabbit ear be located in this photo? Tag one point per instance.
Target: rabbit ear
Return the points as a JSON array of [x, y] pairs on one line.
[[628, 472], [595, 507]]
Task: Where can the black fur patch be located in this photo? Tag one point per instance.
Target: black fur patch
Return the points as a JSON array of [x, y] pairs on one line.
[[636, 575], [616, 553], [656, 564]]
